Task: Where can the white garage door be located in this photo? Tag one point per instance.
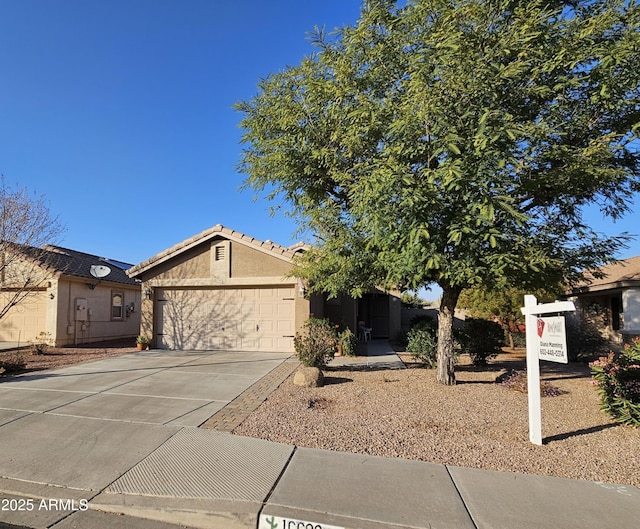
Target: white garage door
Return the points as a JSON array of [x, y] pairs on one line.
[[235, 319]]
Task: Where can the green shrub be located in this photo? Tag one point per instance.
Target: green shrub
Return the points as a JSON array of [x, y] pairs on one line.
[[348, 341], [423, 345], [316, 346], [583, 340], [617, 378], [400, 338], [423, 321], [519, 339], [481, 339]]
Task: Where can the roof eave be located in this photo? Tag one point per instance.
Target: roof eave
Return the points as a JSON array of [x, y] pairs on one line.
[[617, 285], [267, 247]]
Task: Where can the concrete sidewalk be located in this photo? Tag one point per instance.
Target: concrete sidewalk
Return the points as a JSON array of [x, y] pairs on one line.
[[69, 460], [210, 479]]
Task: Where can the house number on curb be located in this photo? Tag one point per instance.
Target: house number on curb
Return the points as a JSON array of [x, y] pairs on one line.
[[280, 522], [553, 348]]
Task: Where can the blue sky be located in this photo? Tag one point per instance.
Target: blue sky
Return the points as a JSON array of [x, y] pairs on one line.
[[120, 113]]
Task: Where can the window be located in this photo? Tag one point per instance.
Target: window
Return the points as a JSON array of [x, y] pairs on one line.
[[117, 305]]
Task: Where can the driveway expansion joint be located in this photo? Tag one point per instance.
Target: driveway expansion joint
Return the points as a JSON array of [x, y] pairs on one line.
[[234, 413]]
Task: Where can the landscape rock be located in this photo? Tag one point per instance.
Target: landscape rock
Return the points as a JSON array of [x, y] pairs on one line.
[[406, 413], [309, 377]]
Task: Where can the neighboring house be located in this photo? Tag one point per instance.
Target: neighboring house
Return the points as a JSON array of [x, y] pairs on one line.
[[612, 303], [221, 289], [72, 298]]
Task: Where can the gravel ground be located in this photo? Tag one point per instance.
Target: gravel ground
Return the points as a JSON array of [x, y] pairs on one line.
[[405, 413], [477, 423]]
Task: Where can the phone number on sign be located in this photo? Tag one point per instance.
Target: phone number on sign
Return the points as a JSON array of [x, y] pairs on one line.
[[50, 504]]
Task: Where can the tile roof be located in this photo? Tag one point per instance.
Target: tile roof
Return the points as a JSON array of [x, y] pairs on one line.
[[78, 264], [282, 252], [616, 275]]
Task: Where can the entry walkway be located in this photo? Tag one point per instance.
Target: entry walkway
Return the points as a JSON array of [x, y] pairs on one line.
[[380, 355], [113, 444]]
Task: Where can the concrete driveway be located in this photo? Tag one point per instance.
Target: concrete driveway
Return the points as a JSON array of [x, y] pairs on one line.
[[83, 427], [156, 387]]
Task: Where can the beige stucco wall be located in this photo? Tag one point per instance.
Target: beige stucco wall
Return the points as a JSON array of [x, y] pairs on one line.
[[50, 314], [192, 264], [98, 326], [146, 317], [247, 262], [302, 310], [199, 263]]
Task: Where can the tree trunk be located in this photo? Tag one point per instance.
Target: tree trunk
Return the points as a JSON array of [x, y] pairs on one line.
[[446, 364]]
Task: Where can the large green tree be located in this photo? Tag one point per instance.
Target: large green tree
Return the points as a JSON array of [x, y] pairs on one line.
[[453, 142]]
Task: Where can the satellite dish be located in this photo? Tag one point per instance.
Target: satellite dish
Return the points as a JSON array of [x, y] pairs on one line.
[[100, 271]]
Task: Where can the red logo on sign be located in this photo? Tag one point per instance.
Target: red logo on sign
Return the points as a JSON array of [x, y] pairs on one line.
[[540, 328]]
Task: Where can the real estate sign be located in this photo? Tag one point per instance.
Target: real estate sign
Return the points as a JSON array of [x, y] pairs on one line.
[[552, 344], [545, 341]]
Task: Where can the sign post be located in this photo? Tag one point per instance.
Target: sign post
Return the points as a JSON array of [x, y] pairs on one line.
[[546, 340]]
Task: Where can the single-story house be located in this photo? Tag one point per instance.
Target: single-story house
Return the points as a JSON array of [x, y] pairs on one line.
[[222, 289], [612, 302], [66, 297]]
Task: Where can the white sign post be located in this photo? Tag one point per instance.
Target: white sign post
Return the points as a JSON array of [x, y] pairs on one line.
[[546, 340]]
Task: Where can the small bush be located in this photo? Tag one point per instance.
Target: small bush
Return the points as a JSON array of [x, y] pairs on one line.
[[423, 345], [517, 381], [348, 341], [583, 340], [481, 339], [617, 378], [400, 338], [12, 362], [519, 339], [41, 344], [316, 346], [423, 321], [39, 348]]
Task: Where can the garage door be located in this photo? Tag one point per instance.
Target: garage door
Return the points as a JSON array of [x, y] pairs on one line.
[[25, 321], [238, 319]]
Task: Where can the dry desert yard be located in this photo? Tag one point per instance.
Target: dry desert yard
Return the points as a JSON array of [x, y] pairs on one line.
[[56, 357], [477, 423], [405, 413]]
